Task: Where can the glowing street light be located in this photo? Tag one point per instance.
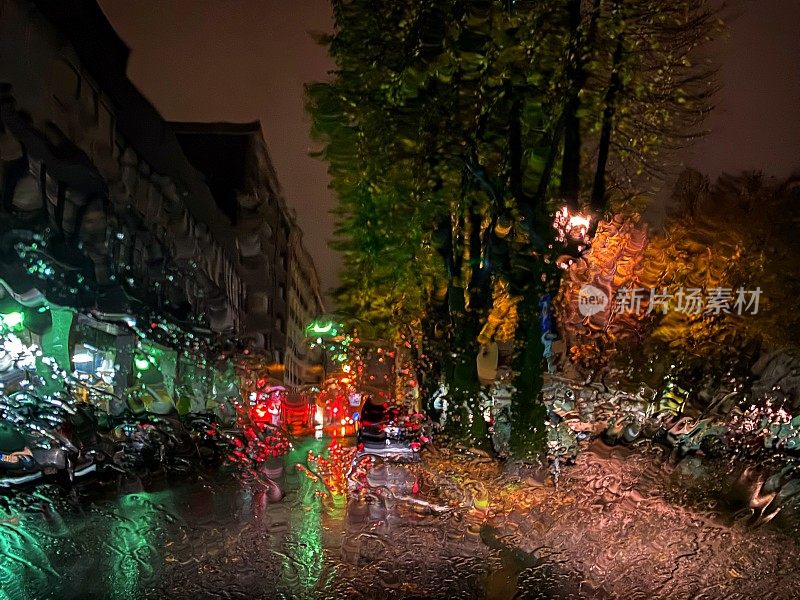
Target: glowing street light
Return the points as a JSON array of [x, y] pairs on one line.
[[82, 357], [142, 363], [12, 320], [571, 226]]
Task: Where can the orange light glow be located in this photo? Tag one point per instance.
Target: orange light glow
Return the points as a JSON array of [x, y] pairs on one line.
[[571, 226]]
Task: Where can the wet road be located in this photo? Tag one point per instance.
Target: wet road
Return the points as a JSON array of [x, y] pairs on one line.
[[218, 538], [620, 525]]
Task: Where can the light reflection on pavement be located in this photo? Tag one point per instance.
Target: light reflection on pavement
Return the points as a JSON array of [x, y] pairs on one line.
[[211, 536]]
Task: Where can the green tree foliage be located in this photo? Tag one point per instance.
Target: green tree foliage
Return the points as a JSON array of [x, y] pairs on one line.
[[452, 128]]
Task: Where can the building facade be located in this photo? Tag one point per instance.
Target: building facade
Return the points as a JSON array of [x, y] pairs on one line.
[[122, 254], [304, 364], [92, 171], [283, 288]]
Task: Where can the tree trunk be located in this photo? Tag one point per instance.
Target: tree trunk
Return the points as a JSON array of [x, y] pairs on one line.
[[465, 419], [480, 295], [614, 87], [576, 77], [528, 414]]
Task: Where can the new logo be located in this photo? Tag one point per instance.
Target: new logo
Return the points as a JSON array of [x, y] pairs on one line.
[[591, 300]]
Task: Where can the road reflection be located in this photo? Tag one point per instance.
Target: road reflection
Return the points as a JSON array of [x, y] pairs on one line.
[[617, 519]]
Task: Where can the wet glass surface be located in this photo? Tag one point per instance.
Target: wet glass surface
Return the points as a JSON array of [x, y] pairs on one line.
[[621, 524], [216, 537]]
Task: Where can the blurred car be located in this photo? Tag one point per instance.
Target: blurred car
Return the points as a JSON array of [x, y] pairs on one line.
[[382, 432]]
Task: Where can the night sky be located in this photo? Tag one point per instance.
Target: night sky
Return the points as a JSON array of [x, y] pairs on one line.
[[240, 60]]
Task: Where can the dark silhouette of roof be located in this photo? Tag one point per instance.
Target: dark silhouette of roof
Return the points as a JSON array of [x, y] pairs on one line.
[[105, 56]]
